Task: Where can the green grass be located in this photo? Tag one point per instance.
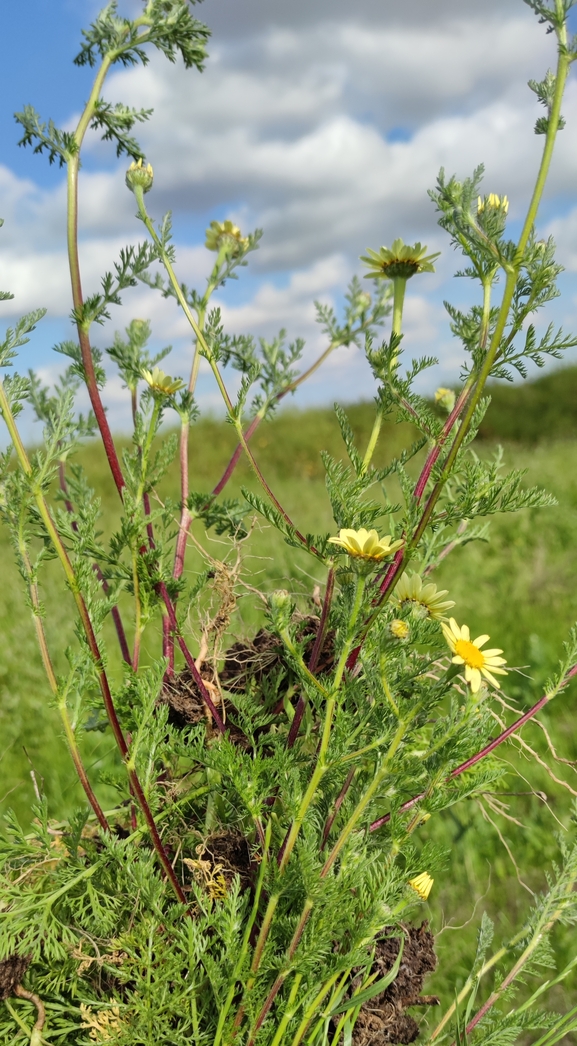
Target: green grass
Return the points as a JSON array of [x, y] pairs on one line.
[[521, 588]]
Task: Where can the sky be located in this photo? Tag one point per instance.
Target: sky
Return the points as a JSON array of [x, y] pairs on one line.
[[324, 123]]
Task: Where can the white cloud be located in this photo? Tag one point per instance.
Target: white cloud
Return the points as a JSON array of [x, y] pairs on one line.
[[290, 128]]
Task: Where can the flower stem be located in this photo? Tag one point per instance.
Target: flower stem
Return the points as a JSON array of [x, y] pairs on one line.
[[399, 288], [91, 640], [73, 164], [53, 683], [364, 802]]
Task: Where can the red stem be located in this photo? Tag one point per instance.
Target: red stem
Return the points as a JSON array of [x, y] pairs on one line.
[[484, 751], [338, 804], [397, 564], [105, 587], [436, 450], [83, 338], [322, 629]]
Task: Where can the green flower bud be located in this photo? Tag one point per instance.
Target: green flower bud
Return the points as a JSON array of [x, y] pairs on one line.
[[139, 176]]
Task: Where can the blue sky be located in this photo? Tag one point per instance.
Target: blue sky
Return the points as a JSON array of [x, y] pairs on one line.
[[322, 122]]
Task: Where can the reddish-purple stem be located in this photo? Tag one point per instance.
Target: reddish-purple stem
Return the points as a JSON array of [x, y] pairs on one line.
[[105, 587], [236, 457], [314, 658], [296, 723], [338, 804], [396, 566], [440, 443], [472, 760], [324, 618]]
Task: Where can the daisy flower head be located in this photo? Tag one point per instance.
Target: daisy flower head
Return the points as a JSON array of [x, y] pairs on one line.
[[226, 235], [422, 884], [424, 600], [366, 544], [467, 652], [158, 381], [400, 260]]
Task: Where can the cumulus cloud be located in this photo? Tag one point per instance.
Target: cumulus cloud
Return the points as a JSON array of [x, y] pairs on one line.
[[324, 124]]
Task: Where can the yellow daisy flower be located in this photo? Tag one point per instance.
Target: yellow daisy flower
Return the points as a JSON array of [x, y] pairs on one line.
[[400, 260], [422, 884], [161, 382], [225, 234], [468, 652], [425, 600], [366, 544]]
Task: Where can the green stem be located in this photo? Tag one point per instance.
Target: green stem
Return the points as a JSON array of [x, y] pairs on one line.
[[291, 1008], [206, 351], [512, 271], [472, 980], [373, 440], [246, 939], [399, 288], [53, 682], [91, 640], [347, 647], [364, 802]]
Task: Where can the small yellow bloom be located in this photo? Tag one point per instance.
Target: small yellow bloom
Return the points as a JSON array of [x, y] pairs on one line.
[[422, 884], [445, 398], [366, 544], [424, 600], [225, 234], [399, 629], [492, 201], [400, 260], [468, 652], [161, 382]]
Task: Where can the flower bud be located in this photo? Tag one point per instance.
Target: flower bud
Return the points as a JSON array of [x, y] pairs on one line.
[[445, 398], [399, 629], [281, 608], [139, 176]]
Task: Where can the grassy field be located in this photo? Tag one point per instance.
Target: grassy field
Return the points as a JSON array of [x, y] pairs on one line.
[[521, 588]]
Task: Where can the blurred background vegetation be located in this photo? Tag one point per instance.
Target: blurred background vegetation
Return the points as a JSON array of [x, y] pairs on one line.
[[520, 587]]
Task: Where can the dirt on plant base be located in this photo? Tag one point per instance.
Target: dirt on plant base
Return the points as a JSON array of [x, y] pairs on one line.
[[219, 859], [257, 658], [383, 1019], [12, 971]]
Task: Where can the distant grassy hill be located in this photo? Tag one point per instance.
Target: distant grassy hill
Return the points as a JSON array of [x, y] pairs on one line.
[[542, 409]]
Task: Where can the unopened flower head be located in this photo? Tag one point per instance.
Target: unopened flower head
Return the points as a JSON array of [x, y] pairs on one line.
[[158, 381], [399, 629], [400, 260], [425, 600], [366, 544], [225, 235], [467, 652], [492, 202], [139, 175], [422, 884], [445, 398]]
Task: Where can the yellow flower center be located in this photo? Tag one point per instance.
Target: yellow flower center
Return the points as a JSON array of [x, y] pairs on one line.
[[472, 656]]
